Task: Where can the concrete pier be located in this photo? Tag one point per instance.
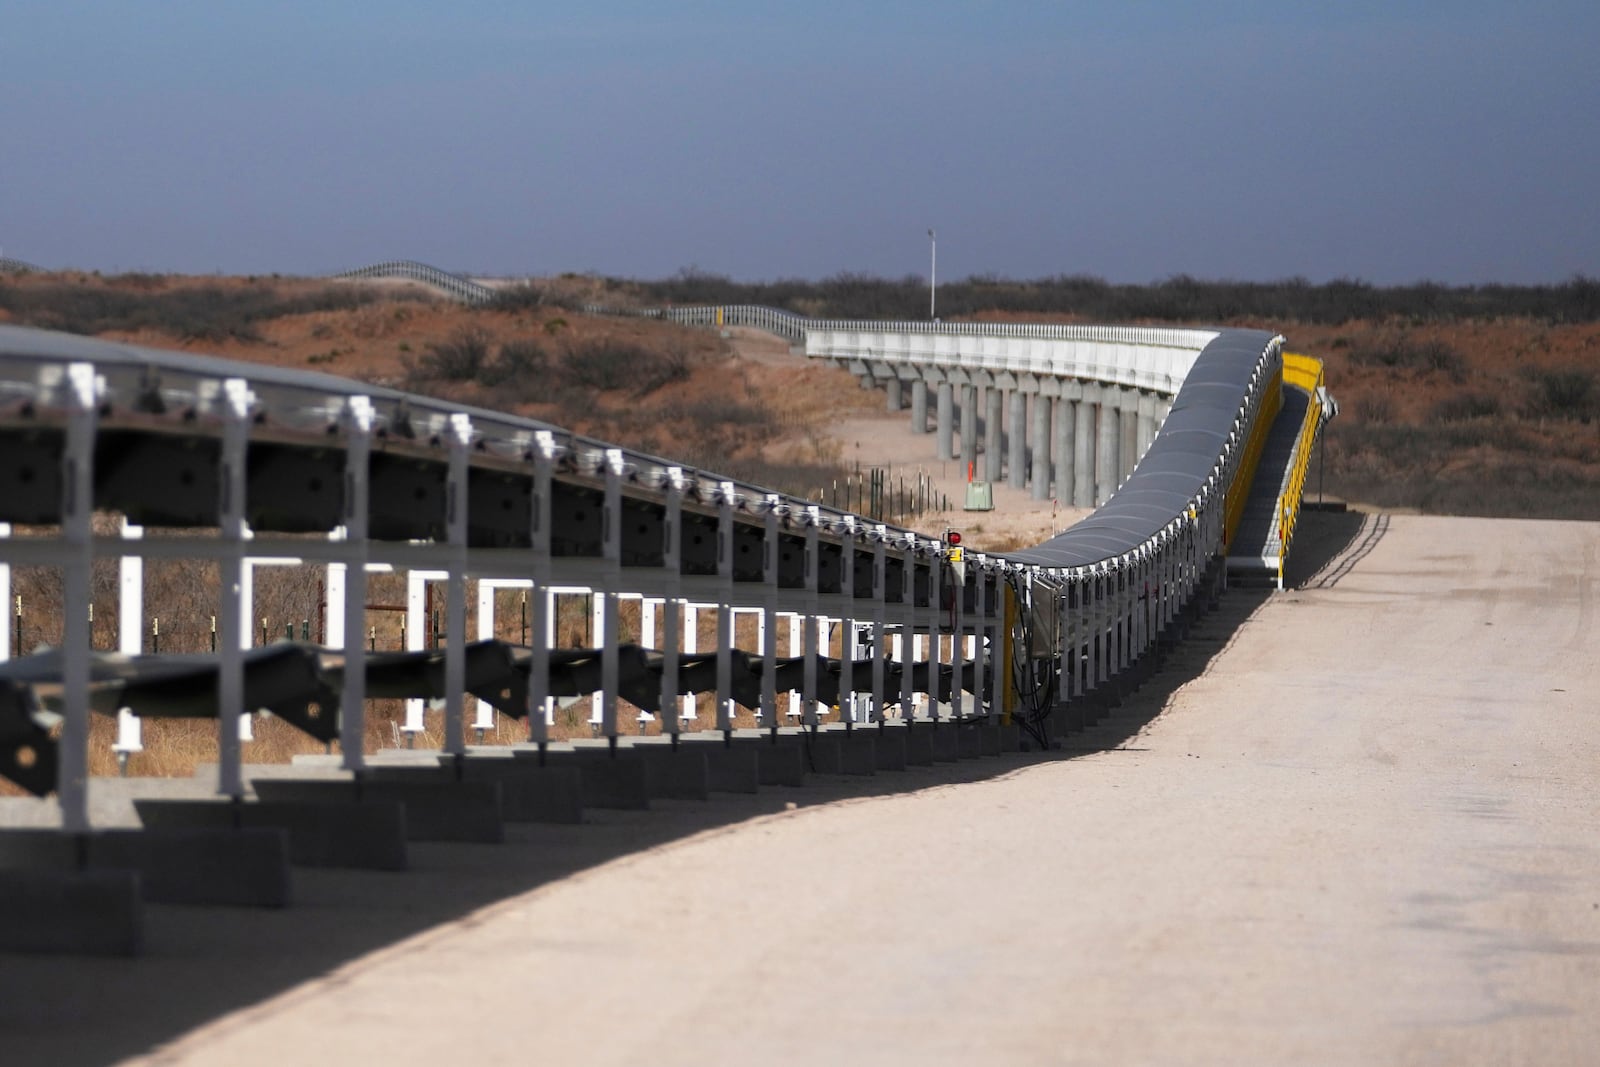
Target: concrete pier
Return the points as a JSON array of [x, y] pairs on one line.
[[946, 420], [993, 457], [919, 405], [1017, 427], [969, 430], [1066, 430], [1083, 440], [1108, 450], [1041, 446]]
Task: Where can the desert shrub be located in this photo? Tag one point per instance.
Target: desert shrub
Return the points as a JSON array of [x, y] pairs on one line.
[[1568, 393], [1465, 406], [459, 359], [531, 296], [516, 361], [190, 313], [1373, 408], [1429, 356], [718, 411], [1177, 299], [606, 364]]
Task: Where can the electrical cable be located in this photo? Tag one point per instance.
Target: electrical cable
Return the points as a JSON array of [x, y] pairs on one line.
[[1036, 696]]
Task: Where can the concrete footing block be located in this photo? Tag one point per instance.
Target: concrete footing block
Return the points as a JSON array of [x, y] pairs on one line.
[[858, 750], [85, 913], [181, 865], [969, 741], [676, 773], [988, 739], [436, 809], [528, 792], [1010, 738], [824, 752], [731, 768], [890, 747], [368, 836], [946, 745], [616, 780], [781, 759], [919, 744]]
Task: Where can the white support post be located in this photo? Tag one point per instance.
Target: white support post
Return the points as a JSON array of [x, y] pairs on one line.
[[541, 606], [455, 650], [672, 606], [483, 715], [416, 640], [796, 647], [880, 596], [935, 616], [81, 388], [847, 622], [809, 636], [358, 418], [691, 643], [905, 641], [612, 548], [333, 606], [235, 402], [130, 637], [598, 636], [769, 612], [725, 608]]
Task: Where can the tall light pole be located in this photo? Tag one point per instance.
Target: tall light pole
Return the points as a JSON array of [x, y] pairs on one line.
[[933, 271]]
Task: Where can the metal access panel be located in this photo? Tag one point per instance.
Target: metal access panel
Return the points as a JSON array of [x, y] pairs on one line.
[[407, 498], [294, 490], [699, 539], [158, 479], [1044, 617], [499, 509], [30, 476]]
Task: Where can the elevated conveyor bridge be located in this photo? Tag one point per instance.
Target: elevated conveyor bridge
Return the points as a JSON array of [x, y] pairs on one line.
[[938, 655]]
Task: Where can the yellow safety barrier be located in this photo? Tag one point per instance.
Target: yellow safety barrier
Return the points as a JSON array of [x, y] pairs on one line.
[[1239, 489], [1303, 372]]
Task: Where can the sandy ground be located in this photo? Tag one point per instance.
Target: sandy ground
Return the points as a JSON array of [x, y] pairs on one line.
[[1351, 824]]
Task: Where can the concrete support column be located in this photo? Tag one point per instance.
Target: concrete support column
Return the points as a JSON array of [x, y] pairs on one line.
[[994, 402], [946, 420], [969, 430], [1041, 446], [1147, 422], [1083, 465], [895, 390], [1108, 446], [919, 405], [1017, 427], [1066, 428], [1130, 433]]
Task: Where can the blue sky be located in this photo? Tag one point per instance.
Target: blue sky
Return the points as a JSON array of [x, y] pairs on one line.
[[1397, 141]]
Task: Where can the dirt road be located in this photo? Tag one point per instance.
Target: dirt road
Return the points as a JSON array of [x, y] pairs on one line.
[[1364, 834]]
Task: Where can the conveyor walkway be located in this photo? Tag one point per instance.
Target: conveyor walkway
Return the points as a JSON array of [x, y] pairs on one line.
[[1257, 547]]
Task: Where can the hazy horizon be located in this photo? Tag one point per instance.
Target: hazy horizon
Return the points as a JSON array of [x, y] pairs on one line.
[[1392, 143]]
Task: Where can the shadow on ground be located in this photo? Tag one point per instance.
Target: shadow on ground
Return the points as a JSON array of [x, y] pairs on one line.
[[202, 964]]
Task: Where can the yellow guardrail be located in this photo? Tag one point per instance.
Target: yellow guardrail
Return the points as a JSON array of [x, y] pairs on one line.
[[1302, 372], [1239, 490]]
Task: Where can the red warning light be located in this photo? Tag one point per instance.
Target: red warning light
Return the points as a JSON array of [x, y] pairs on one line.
[[952, 537]]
